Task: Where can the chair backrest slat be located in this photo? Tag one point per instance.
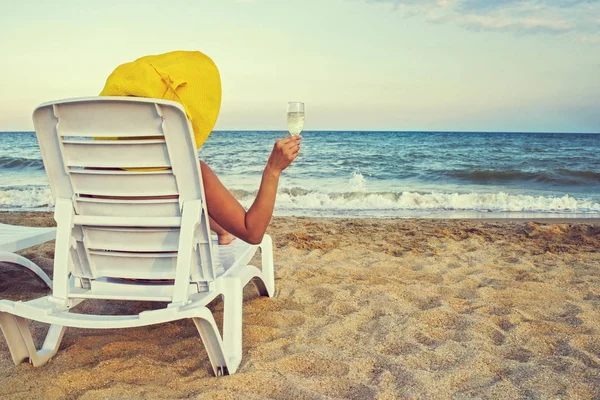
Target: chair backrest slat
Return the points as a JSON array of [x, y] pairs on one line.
[[105, 207], [134, 265], [116, 154], [125, 119], [132, 239], [124, 184]]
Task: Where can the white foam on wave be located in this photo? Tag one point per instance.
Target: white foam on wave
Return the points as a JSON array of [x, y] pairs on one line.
[[355, 202], [357, 182], [25, 198], [481, 202]]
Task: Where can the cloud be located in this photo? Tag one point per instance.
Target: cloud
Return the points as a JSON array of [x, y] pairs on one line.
[[578, 18], [522, 25], [483, 5], [589, 39]]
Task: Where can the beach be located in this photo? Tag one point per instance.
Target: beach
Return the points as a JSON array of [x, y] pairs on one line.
[[363, 309]]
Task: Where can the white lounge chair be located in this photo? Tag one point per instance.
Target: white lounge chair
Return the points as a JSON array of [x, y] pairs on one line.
[[117, 241], [14, 238]]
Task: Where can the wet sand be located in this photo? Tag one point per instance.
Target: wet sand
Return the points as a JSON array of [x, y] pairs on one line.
[[364, 309]]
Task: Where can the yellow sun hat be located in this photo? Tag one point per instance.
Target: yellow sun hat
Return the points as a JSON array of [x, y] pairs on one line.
[[187, 77]]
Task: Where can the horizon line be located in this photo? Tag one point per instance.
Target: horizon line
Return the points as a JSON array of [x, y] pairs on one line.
[[374, 130]]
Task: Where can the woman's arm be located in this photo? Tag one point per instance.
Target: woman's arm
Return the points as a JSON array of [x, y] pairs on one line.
[[225, 210]]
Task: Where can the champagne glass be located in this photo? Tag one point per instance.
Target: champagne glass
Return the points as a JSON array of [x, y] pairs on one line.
[[295, 117]]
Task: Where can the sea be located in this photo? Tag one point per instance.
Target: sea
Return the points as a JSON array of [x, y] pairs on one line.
[[377, 174]]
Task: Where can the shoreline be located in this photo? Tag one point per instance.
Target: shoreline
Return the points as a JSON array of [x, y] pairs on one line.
[[365, 309], [545, 219]]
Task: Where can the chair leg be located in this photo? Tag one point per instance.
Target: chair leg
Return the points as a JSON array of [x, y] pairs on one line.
[[233, 297], [211, 338], [225, 353], [268, 268], [20, 343], [14, 339], [17, 259]]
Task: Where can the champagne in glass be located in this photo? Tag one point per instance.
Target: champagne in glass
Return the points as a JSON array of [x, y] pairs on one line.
[[295, 118]]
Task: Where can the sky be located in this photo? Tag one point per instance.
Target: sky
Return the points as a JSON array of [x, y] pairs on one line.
[[403, 65]]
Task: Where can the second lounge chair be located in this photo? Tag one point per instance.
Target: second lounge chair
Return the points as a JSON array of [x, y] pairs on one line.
[[14, 238]]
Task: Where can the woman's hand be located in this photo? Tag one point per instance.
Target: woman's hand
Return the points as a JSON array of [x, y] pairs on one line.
[[284, 152]]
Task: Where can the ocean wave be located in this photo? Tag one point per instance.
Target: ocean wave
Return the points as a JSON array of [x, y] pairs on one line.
[[410, 201], [19, 162], [26, 197], [560, 176], [354, 202], [589, 175]]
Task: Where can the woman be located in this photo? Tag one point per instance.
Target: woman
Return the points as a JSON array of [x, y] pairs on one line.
[[192, 79], [228, 217]]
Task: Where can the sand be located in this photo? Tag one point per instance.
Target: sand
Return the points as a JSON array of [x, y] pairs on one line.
[[364, 309]]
